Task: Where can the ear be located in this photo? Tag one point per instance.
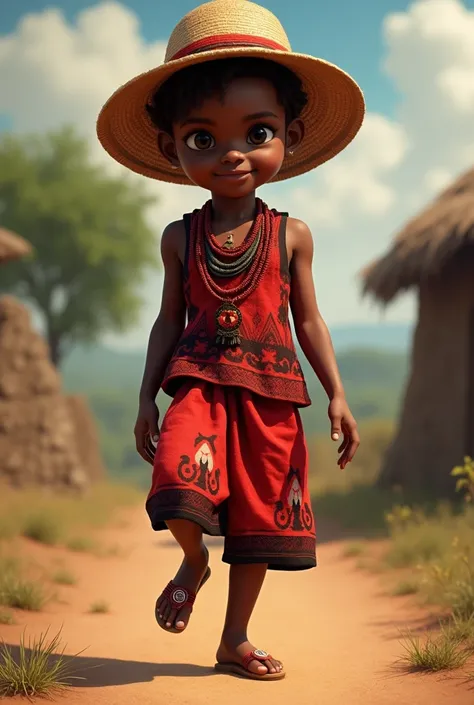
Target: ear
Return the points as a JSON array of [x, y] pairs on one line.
[[294, 135], [167, 147]]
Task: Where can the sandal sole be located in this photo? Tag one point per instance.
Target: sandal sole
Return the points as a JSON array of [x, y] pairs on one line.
[[235, 670], [173, 630]]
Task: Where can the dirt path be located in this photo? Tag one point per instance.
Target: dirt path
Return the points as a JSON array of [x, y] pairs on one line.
[[333, 627]]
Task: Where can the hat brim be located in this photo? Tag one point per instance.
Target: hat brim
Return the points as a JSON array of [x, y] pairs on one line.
[[332, 116]]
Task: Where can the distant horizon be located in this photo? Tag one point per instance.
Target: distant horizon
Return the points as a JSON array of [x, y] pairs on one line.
[[340, 333]]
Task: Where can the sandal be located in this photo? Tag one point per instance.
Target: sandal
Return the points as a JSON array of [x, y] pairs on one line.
[[178, 597], [242, 669]]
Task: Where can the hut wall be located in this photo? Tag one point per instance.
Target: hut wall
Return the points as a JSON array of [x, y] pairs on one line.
[[432, 433]]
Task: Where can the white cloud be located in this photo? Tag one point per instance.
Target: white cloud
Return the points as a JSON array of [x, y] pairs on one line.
[[353, 182], [53, 72], [359, 200], [437, 179]]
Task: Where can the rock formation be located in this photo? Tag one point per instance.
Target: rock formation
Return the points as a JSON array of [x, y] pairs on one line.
[[46, 438]]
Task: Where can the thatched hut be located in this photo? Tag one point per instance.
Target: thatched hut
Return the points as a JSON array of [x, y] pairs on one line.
[[12, 246], [434, 253]]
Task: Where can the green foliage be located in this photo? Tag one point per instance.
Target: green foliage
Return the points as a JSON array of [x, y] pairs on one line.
[[440, 547], [434, 654], [465, 481], [39, 668], [21, 593], [42, 527], [17, 590], [91, 242], [408, 586], [451, 580], [461, 630], [412, 547]]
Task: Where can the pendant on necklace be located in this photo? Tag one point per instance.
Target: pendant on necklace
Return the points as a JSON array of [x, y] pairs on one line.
[[229, 243], [228, 322]]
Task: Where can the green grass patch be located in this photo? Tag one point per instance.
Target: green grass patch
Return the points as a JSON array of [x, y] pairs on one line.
[[440, 653], [461, 630], [49, 518], [43, 528], [36, 668], [99, 607], [82, 544], [416, 545], [407, 586], [354, 550], [17, 590], [6, 616], [63, 576], [22, 593], [441, 549]]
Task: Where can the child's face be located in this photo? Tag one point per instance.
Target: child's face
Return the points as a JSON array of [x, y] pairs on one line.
[[232, 146]]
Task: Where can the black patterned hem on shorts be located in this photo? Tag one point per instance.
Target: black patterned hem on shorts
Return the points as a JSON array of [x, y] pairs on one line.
[[176, 503], [279, 552]]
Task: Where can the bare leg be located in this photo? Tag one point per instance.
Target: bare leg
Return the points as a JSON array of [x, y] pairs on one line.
[[189, 576], [245, 582]]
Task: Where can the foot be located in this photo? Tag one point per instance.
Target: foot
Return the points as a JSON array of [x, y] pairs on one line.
[[232, 649], [189, 576]]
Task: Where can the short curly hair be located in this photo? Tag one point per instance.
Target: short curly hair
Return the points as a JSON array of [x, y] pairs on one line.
[[188, 88]]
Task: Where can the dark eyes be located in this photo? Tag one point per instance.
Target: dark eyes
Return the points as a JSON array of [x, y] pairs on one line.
[[260, 134], [200, 140], [203, 140]]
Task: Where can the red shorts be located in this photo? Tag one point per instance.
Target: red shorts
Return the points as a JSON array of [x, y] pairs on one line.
[[236, 464]]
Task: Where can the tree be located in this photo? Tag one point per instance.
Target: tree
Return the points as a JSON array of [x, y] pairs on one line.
[[91, 242]]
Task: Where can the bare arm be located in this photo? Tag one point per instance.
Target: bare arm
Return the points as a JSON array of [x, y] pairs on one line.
[[164, 334], [314, 338], [310, 328], [169, 325]]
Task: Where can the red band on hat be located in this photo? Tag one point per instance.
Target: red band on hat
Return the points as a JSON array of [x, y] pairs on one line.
[[219, 41]]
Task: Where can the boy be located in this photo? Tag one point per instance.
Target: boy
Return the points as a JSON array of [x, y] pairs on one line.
[[232, 108]]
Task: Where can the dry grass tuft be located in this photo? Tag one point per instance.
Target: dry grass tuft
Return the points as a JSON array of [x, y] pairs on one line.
[[38, 668], [99, 607], [63, 576], [434, 654]]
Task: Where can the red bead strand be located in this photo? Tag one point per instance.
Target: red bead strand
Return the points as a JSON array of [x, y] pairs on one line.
[[201, 230]]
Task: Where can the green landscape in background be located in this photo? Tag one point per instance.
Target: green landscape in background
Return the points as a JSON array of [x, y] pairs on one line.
[[373, 377]]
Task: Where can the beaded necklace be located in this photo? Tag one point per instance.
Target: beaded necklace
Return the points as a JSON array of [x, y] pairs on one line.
[[251, 257]]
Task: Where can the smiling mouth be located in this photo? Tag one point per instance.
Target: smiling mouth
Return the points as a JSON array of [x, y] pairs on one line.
[[234, 174]]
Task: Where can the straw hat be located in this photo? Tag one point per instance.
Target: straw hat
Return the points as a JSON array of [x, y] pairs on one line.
[[222, 29]]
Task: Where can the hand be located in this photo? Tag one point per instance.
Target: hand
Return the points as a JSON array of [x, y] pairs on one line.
[[343, 422], [146, 427]]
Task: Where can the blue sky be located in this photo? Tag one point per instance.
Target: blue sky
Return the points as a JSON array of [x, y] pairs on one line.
[[345, 32], [414, 60]]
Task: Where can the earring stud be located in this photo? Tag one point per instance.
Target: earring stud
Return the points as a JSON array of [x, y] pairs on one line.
[[291, 152]]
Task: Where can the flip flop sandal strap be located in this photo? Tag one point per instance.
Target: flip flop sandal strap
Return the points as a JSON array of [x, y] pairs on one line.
[[178, 596], [256, 655]]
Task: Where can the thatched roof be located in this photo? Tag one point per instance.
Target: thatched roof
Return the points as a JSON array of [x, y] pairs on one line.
[[426, 243], [12, 246]]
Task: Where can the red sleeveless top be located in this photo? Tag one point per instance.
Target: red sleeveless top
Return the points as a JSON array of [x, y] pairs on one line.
[[265, 362]]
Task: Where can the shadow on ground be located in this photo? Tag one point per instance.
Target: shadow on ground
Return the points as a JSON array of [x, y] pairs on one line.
[[91, 672], [400, 628]]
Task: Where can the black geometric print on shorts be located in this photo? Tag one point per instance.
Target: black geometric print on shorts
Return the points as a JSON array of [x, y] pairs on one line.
[[202, 472], [290, 512]]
